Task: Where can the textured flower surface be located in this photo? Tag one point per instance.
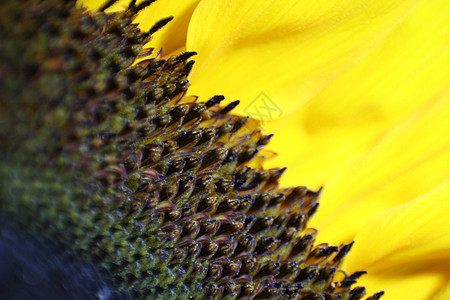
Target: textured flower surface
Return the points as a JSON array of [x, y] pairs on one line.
[[358, 98], [362, 88]]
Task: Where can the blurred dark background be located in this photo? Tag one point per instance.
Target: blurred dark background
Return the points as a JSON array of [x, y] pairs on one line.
[[33, 269]]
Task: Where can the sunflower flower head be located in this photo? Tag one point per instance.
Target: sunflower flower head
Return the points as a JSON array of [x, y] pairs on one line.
[[105, 155]]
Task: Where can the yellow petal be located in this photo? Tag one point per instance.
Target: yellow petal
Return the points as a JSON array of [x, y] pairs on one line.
[[407, 247], [406, 282], [173, 36], [444, 294], [410, 160], [415, 231], [347, 119], [290, 50]]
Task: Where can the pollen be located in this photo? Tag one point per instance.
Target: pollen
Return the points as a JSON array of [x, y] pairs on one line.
[[103, 151]]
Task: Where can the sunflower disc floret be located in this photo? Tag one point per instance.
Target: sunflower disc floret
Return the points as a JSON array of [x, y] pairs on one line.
[[160, 191]]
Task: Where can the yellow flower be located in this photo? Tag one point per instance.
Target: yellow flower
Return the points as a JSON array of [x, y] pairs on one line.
[[360, 93]]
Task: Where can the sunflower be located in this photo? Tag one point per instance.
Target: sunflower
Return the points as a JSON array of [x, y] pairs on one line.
[[360, 106], [360, 101]]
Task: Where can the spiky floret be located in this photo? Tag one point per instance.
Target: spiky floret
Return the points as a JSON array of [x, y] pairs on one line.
[[160, 191]]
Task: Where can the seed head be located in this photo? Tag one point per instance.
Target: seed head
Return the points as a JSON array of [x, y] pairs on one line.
[[108, 156]]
